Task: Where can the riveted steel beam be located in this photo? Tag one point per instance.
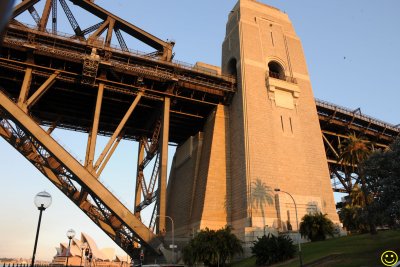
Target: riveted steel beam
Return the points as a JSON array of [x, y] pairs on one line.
[[94, 130], [23, 6], [117, 131], [162, 182], [42, 89], [139, 176], [119, 219], [45, 15]]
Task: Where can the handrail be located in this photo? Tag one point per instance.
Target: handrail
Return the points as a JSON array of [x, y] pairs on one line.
[[282, 77], [145, 55], [347, 111]]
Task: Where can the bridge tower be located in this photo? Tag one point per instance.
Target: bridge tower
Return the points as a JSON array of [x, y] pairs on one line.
[[268, 137]]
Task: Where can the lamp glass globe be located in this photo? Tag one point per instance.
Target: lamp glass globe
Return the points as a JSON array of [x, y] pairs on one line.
[[70, 233], [42, 200]]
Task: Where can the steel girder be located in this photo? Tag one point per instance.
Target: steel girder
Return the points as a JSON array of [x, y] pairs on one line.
[[113, 23], [336, 124], [64, 171]]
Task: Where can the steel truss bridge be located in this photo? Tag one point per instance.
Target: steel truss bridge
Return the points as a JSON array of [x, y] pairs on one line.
[[81, 82]]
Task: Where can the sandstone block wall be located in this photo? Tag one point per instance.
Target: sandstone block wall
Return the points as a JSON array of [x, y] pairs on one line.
[[269, 137]]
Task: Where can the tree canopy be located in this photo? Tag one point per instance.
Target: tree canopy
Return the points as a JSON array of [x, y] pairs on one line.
[[212, 247], [316, 227], [382, 175]]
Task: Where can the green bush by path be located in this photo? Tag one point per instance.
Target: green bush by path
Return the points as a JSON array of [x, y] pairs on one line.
[[271, 249], [212, 248], [316, 227]]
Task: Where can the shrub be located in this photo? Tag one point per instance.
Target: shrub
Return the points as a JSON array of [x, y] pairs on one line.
[[271, 249], [316, 226], [212, 247], [354, 219]]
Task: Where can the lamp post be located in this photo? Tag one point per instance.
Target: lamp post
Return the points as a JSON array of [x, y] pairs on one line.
[[70, 235], [83, 247], [173, 237], [87, 252], [42, 201], [265, 226], [297, 222]]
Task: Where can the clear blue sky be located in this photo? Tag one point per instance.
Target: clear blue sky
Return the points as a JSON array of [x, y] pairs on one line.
[[352, 52]]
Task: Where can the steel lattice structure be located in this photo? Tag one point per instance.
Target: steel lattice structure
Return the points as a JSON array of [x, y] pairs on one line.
[[81, 82], [336, 123]]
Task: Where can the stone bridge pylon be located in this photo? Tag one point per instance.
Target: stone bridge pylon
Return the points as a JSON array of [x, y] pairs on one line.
[[268, 137]]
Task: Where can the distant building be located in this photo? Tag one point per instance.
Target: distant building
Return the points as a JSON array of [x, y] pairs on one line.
[[84, 252], [19, 261]]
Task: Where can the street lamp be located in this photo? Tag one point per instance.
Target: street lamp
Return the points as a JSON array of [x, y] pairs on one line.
[[297, 222], [173, 236], [70, 235], [83, 247], [265, 226], [42, 201]]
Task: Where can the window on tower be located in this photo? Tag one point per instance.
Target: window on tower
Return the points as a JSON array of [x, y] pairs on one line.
[[276, 71]]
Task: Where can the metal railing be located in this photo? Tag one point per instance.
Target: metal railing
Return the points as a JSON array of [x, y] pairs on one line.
[[112, 47], [151, 70], [350, 112], [279, 76]]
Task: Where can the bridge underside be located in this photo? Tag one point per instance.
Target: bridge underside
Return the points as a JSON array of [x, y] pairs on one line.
[[336, 124], [81, 82], [70, 102]]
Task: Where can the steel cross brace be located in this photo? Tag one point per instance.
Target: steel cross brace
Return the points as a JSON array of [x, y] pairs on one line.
[[65, 172]]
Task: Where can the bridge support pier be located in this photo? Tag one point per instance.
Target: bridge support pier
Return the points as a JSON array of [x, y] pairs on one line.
[[270, 136]]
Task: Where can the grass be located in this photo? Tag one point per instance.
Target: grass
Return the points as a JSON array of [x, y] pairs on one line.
[[349, 251]]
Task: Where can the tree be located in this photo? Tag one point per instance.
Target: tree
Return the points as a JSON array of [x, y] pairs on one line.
[[227, 245], [382, 175], [353, 152], [316, 226], [350, 152], [354, 219], [212, 247], [271, 249], [352, 214]]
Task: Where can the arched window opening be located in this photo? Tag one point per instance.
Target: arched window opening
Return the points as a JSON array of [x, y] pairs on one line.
[[276, 70], [232, 69]]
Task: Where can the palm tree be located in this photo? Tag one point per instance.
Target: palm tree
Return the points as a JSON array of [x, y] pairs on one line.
[[227, 244], [352, 152], [316, 226], [261, 195], [351, 213], [212, 248], [357, 197]]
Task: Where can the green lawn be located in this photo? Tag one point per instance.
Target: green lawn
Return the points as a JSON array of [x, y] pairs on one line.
[[349, 251]]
